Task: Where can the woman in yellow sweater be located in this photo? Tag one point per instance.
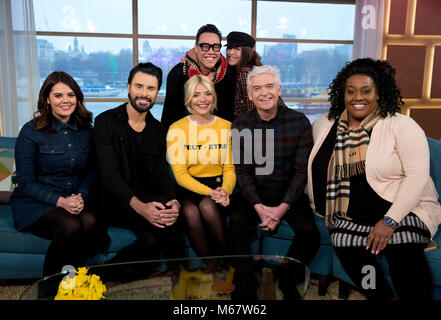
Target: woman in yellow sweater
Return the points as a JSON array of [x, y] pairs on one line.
[[199, 152]]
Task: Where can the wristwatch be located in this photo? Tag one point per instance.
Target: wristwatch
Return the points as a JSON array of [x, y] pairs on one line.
[[388, 221]]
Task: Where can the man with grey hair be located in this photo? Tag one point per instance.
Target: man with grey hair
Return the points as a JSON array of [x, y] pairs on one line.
[[274, 71], [279, 194]]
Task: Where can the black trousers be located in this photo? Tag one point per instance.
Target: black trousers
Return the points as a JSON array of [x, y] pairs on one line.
[[304, 246], [151, 242], [299, 217], [74, 238], [408, 269]]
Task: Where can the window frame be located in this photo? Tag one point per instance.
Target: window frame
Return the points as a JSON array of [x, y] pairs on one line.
[[136, 36]]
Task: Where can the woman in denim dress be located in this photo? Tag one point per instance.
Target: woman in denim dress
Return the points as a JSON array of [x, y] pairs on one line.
[[55, 172]]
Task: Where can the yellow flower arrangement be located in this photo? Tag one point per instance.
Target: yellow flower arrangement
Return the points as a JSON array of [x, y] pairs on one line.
[[81, 287]]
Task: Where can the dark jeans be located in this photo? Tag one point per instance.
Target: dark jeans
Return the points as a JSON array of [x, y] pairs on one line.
[[408, 269], [74, 238], [299, 217]]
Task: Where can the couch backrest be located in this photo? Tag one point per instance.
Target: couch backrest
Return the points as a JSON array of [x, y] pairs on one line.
[[434, 147], [7, 167], [7, 143], [435, 163]]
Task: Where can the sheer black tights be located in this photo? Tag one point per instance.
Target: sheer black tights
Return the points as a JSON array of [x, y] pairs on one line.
[[71, 237], [204, 226]]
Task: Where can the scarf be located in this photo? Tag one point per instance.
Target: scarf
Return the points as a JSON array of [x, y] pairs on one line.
[[348, 159], [191, 66]]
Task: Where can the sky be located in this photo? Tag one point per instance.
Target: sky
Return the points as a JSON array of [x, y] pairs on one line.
[[177, 17]]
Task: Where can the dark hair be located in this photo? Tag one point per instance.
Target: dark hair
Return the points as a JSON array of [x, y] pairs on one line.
[[210, 28], [383, 75], [248, 58], [43, 118], [147, 68]]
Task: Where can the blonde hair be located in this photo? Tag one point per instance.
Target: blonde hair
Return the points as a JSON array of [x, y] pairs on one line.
[[190, 87]]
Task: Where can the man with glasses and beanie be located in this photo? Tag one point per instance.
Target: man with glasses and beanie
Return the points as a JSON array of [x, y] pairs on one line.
[[205, 58]]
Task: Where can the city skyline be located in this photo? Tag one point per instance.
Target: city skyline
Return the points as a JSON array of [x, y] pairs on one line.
[[276, 54]]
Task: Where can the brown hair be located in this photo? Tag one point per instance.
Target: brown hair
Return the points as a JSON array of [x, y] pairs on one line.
[[44, 120], [248, 58]]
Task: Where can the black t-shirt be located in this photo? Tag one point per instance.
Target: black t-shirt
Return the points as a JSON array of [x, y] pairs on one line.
[[320, 170], [145, 160], [365, 205]]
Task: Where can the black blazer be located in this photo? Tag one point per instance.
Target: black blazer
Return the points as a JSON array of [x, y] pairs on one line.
[[112, 149]]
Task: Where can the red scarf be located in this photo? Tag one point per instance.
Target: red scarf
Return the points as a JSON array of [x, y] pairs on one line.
[[191, 67]]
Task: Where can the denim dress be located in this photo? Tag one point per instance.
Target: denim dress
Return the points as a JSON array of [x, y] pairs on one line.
[[50, 165]]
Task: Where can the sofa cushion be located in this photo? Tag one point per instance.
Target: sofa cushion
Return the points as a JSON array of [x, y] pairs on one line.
[[21, 266], [14, 241], [119, 238], [435, 163], [285, 232], [7, 171], [434, 260], [23, 242]]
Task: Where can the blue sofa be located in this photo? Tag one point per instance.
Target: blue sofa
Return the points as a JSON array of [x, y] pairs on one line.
[[22, 254]]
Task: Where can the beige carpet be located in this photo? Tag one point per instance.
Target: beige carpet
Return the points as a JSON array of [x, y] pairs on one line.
[[13, 292], [332, 292]]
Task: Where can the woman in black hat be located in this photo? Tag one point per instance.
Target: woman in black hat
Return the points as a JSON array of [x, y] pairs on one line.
[[242, 55]]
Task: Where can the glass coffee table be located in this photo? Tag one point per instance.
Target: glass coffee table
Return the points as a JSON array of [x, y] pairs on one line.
[[242, 277]]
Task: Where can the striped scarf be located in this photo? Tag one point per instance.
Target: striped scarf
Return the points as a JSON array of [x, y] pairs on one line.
[[348, 159]]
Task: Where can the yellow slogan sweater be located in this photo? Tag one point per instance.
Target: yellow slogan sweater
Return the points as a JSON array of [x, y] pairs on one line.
[[201, 152]]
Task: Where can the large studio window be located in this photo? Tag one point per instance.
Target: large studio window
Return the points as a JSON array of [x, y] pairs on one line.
[[98, 42]]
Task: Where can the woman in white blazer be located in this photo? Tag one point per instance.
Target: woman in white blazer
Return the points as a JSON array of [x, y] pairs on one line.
[[368, 175]]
